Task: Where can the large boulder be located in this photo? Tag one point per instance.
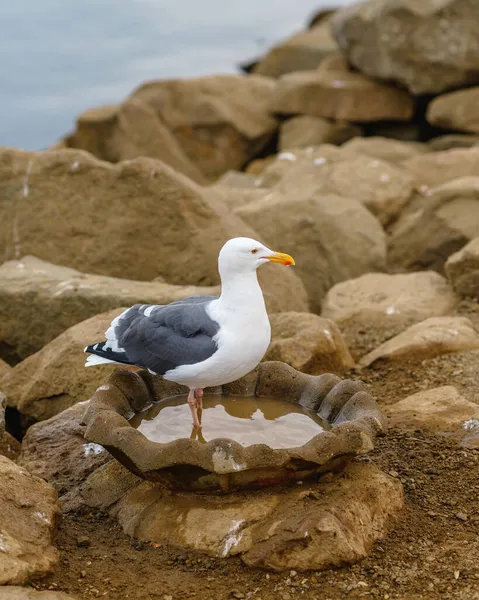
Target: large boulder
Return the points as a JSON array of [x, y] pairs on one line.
[[334, 92], [435, 168], [428, 46], [334, 238], [435, 226], [458, 110], [138, 219], [50, 298], [308, 343], [55, 378], [220, 122], [126, 131], [462, 268], [430, 338], [304, 131], [301, 52], [29, 516]]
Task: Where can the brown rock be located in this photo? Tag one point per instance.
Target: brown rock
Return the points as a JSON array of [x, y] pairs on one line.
[[334, 92], [13, 592], [220, 122], [432, 337], [458, 110], [129, 130], [410, 298], [436, 225], [4, 367], [435, 168], [174, 228], [304, 131], [52, 298], [55, 378], [438, 410], [28, 521], [387, 149], [427, 46], [309, 344], [301, 52], [334, 238], [462, 268], [278, 529], [55, 450]]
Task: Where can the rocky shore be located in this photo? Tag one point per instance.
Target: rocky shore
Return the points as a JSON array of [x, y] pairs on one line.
[[354, 146]]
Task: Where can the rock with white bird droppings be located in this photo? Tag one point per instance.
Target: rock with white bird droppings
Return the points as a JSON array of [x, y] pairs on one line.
[[308, 343], [28, 520], [462, 268], [432, 337]]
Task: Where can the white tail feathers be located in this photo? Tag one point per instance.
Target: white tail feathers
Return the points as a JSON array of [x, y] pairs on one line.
[[94, 360]]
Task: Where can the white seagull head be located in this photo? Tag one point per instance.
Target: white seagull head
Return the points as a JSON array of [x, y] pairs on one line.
[[245, 255]]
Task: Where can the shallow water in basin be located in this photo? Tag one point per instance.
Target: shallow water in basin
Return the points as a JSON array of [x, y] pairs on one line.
[[247, 420]]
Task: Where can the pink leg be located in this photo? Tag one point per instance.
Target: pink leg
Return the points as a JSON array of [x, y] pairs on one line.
[[199, 397], [193, 402]]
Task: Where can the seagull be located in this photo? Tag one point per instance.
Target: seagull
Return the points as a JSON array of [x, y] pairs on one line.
[[201, 341]]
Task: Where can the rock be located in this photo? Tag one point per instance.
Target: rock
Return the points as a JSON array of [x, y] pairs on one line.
[[52, 200], [308, 343], [129, 130], [55, 450], [13, 592], [4, 367], [410, 297], [52, 298], [389, 150], [334, 92], [9, 446], [432, 337], [55, 378], [334, 238], [462, 268], [404, 132], [439, 410], [278, 528], [451, 141], [435, 168], [301, 52], [428, 47], [436, 225], [304, 131], [28, 520], [220, 122], [456, 110]]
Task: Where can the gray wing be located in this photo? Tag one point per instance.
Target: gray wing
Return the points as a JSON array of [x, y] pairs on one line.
[[161, 338]]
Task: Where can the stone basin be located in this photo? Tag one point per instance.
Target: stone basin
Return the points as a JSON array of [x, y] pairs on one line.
[[224, 465]]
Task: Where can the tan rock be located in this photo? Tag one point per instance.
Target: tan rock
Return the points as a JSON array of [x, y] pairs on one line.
[[334, 92], [28, 520], [432, 337], [55, 378], [435, 168], [308, 343], [68, 207], [439, 410], [304, 131], [408, 42], [129, 130], [13, 592], [387, 149], [301, 52], [316, 526], [451, 141], [457, 110], [436, 225], [334, 238], [411, 297], [462, 268], [4, 367], [220, 122]]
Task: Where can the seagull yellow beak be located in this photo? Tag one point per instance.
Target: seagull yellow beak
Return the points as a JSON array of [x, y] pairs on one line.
[[283, 259]]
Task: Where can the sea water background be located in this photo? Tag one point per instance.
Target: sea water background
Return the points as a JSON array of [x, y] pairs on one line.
[[59, 57]]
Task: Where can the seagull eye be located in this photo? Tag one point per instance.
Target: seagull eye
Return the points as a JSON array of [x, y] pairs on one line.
[[255, 251]]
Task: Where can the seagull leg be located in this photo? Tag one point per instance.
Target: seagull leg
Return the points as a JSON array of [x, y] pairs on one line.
[[199, 399], [193, 402]]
